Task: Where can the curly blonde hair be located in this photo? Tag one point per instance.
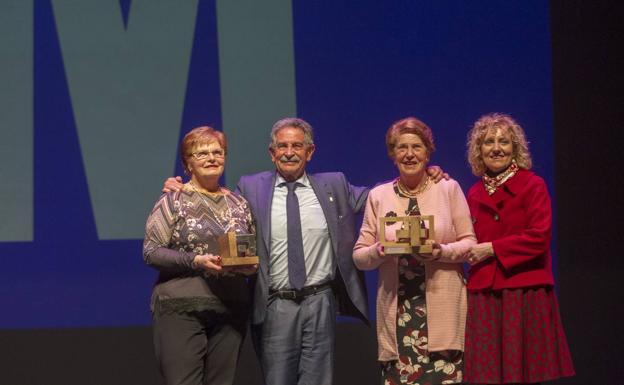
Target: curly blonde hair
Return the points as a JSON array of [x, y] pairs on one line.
[[494, 121]]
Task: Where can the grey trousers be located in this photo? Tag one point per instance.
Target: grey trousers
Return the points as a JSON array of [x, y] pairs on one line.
[[296, 341], [197, 348]]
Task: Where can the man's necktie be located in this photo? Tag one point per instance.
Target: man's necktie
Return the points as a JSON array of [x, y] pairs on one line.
[[296, 260]]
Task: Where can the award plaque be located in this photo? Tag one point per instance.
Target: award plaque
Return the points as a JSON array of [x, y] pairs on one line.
[[411, 236], [238, 249]]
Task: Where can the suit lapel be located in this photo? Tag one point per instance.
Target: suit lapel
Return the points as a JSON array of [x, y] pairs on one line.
[[264, 198], [326, 199]]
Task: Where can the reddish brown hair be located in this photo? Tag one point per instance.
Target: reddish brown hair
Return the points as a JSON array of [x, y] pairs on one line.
[[409, 125]]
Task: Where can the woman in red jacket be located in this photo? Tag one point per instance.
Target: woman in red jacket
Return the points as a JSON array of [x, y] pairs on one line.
[[513, 330]]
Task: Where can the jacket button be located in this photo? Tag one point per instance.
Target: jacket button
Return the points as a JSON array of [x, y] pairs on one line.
[[496, 217]]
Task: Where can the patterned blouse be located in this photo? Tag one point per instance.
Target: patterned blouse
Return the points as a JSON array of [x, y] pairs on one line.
[[184, 224]]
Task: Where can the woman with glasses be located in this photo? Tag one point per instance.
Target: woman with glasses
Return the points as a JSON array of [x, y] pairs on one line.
[[199, 308]]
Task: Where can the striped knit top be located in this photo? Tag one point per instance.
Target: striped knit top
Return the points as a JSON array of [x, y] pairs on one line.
[[184, 224]]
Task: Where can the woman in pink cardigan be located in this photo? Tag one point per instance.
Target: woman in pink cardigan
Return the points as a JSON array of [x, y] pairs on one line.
[[421, 298]]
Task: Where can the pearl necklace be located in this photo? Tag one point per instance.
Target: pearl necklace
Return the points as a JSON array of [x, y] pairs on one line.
[[229, 219], [404, 190]]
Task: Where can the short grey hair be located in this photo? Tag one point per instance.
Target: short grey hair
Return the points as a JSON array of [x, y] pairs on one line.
[[308, 132]]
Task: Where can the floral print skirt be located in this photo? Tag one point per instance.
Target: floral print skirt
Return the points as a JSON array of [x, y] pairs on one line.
[[416, 365], [515, 336]]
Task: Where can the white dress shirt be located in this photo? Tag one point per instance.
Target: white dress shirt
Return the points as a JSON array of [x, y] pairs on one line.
[[317, 247]]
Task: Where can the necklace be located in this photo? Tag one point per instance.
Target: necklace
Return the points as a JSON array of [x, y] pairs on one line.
[[202, 190], [412, 194], [225, 220]]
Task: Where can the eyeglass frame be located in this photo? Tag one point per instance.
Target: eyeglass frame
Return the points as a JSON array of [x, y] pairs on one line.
[[217, 154]]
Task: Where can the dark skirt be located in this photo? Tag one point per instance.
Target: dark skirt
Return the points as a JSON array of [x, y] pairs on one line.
[[416, 365], [515, 336]]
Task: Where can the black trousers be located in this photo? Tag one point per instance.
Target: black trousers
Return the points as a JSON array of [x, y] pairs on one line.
[[197, 348]]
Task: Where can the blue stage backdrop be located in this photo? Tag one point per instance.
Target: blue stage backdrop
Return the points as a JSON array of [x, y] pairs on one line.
[[96, 95]]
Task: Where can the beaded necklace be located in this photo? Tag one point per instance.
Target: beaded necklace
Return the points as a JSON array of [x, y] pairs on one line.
[[403, 189]]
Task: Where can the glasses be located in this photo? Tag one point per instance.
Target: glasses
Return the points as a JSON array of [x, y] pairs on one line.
[[201, 155]]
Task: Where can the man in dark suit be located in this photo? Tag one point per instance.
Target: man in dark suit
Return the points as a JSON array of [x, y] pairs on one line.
[[294, 323]]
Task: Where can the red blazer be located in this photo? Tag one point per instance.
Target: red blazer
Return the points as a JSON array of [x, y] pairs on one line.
[[517, 220]]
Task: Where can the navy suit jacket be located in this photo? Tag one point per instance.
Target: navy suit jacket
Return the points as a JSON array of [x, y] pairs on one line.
[[340, 202]]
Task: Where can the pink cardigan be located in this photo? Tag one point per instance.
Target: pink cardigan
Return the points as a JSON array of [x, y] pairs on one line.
[[445, 284]]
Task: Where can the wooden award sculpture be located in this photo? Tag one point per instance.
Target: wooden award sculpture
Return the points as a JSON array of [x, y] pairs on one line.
[[411, 236], [238, 249]]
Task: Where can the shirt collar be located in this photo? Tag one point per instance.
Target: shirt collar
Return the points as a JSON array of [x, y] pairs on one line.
[[302, 181]]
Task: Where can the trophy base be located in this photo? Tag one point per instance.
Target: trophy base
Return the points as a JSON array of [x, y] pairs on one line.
[[422, 249], [239, 261], [397, 250]]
